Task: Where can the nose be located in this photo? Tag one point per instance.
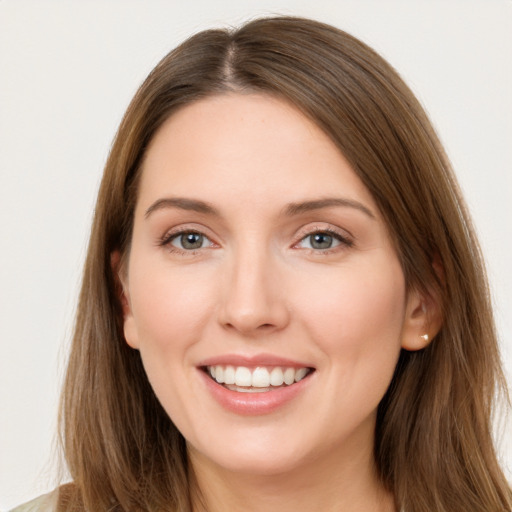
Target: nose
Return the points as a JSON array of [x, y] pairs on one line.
[[254, 300]]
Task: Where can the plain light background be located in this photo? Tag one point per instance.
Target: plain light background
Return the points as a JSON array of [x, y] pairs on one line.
[[67, 72]]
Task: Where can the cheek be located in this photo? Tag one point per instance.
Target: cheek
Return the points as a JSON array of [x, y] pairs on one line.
[[356, 321], [357, 313], [169, 307], [170, 311]]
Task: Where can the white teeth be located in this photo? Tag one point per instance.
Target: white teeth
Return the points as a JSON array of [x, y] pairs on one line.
[[260, 377], [243, 376], [219, 374], [289, 376], [241, 389], [276, 377], [300, 374], [229, 375]]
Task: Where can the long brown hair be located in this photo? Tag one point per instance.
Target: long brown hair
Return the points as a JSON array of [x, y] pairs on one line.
[[433, 443]]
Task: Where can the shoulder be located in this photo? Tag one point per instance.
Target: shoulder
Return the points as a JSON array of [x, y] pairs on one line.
[[45, 503]]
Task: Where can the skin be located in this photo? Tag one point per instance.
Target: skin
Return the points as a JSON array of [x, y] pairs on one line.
[[258, 285]]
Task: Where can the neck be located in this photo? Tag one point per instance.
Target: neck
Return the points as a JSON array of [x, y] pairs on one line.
[[353, 486]]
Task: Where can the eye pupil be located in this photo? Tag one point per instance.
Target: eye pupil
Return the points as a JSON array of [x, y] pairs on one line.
[[321, 241], [191, 240]]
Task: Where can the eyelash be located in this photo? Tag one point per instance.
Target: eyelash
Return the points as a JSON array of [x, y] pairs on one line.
[[344, 242], [168, 238]]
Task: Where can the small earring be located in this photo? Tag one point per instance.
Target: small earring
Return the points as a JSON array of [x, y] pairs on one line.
[[424, 337]]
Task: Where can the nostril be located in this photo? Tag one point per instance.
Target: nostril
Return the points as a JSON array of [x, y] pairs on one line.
[[247, 325]]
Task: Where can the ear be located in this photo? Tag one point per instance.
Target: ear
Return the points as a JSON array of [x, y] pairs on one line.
[[121, 277], [422, 322]]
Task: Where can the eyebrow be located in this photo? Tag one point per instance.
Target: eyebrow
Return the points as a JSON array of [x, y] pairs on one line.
[[182, 203], [290, 210], [329, 202]]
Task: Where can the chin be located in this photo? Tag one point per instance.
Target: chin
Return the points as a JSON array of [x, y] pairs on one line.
[[244, 458]]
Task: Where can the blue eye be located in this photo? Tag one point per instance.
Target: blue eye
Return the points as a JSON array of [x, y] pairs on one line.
[[189, 241], [322, 240]]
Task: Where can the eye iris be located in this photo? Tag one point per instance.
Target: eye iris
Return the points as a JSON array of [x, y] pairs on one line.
[[191, 240], [321, 241]]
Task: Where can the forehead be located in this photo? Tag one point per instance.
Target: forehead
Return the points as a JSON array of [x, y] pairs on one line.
[[245, 145]]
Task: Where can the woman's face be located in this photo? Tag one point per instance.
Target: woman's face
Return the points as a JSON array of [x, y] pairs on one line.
[[258, 256]]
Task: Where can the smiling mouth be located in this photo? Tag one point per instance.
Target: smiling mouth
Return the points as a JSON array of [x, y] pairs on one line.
[[256, 380]]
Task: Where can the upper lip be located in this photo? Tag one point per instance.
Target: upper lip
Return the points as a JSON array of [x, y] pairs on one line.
[[253, 361]]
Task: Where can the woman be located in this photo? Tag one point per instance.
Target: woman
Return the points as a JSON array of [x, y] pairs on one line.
[[283, 304]]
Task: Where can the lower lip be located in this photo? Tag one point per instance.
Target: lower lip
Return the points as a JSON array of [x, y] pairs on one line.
[[257, 403]]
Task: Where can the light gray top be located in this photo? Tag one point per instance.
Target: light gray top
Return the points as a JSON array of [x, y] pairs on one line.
[[45, 503]]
